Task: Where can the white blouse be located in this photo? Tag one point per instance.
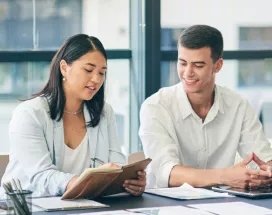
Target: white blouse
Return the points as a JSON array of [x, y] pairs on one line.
[[77, 160]]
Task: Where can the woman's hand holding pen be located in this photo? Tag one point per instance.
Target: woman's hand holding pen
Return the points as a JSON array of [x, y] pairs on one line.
[[71, 182], [136, 187], [109, 165]]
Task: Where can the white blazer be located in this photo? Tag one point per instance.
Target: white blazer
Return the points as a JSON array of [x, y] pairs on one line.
[[37, 147]]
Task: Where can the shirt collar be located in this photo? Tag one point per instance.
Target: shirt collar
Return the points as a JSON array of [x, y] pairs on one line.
[[186, 108], [183, 102], [218, 101]]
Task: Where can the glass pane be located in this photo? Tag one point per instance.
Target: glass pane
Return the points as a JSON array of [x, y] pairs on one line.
[[20, 80], [241, 26], [117, 95], [45, 24], [17, 81], [251, 79]]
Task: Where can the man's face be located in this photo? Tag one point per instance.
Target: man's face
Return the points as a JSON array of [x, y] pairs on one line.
[[196, 69]]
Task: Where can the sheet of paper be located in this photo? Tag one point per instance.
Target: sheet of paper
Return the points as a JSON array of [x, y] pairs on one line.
[[233, 208], [173, 210], [120, 212], [53, 203], [186, 191]]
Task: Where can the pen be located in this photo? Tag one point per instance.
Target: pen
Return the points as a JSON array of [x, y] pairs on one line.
[[98, 161]]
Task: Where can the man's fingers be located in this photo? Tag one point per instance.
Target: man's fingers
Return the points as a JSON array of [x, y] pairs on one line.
[[247, 160], [258, 172], [260, 182], [269, 170], [258, 177], [257, 160]]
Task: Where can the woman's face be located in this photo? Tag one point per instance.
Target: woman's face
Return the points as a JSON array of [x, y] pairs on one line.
[[85, 76]]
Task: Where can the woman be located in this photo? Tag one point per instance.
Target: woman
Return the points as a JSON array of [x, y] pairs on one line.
[[67, 126]]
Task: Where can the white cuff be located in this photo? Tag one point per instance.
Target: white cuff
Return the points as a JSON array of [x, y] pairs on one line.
[[64, 183], [163, 175]]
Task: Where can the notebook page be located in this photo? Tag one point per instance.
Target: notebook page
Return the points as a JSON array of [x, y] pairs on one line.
[[186, 191], [170, 210], [233, 208], [55, 203], [119, 212]]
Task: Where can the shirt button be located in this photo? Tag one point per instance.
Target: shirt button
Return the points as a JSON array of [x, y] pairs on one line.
[[205, 149]]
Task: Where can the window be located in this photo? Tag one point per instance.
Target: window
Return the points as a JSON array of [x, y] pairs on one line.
[[53, 22], [169, 37], [255, 73], [41, 25], [255, 38]]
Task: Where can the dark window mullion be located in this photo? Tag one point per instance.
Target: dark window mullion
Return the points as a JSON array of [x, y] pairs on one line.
[[34, 56], [228, 55]]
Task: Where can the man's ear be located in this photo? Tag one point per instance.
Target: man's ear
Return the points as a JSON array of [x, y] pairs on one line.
[[63, 67], [218, 65]]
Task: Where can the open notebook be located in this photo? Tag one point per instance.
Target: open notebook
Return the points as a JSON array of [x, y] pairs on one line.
[[186, 191], [94, 182]]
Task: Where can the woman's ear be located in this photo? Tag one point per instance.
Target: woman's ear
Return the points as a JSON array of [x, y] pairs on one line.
[[63, 67]]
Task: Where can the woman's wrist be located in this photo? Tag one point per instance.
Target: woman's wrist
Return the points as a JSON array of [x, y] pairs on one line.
[[71, 182]]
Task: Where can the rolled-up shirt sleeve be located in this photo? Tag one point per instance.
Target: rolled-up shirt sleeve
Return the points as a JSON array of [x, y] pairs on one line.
[[28, 143], [159, 141], [252, 137]]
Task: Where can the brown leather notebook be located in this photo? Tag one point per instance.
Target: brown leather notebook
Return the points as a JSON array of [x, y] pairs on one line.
[[101, 182]]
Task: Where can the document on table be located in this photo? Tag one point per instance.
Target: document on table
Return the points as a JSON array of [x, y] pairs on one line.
[[119, 212], [173, 210], [233, 208], [56, 204], [186, 191]]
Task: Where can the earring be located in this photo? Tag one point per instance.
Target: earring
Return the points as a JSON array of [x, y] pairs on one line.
[[64, 79]]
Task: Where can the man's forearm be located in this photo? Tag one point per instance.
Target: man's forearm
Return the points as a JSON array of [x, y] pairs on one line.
[[195, 177]]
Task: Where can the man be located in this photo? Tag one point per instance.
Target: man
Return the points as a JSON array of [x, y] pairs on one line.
[[193, 130]]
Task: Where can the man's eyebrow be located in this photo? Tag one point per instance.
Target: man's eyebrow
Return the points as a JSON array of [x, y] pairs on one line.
[[91, 64], [198, 62], [194, 62]]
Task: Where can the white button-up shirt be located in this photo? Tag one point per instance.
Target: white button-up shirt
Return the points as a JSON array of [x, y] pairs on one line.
[[172, 133]]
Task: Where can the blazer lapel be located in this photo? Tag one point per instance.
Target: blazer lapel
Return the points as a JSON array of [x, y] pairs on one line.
[[92, 134], [58, 143]]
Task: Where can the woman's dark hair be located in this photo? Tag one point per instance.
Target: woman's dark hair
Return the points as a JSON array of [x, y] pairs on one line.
[[75, 47]]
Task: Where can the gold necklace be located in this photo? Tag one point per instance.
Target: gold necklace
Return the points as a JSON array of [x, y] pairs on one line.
[[74, 113]]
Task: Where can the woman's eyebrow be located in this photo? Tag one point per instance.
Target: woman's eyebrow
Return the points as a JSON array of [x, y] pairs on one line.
[[91, 64]]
